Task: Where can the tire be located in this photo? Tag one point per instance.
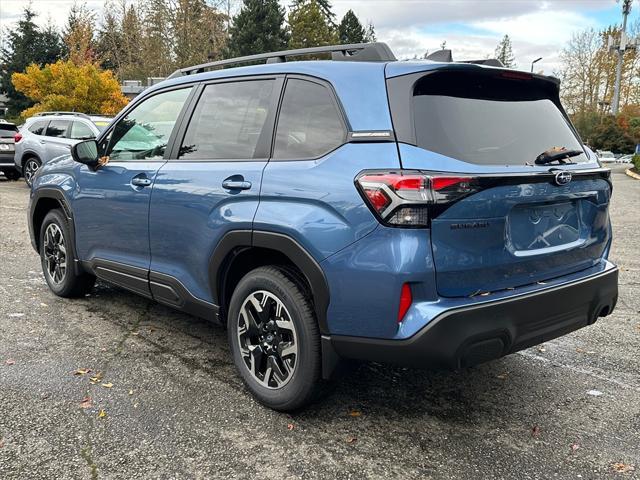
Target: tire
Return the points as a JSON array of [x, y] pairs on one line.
[[29, 168], [55, 250], [295, 377], [11, 174]]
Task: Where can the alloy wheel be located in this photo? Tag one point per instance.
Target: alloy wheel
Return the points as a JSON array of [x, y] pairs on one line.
[[55, 254], [30, 170], [268, 340]]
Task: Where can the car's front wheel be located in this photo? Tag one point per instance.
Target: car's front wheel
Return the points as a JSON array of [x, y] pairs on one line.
[[274, 339], [31, 166], [57, 258]]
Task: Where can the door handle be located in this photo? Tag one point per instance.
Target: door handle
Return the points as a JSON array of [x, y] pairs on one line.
[[141, 181], [236, 184]]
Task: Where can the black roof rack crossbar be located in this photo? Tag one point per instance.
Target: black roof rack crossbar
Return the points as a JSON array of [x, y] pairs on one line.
[[361, 52]]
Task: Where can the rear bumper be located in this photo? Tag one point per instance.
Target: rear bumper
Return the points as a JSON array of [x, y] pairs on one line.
[[6, 159], [467, 336]]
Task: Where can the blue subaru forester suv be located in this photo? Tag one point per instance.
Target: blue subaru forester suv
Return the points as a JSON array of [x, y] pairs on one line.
[[428, 213]]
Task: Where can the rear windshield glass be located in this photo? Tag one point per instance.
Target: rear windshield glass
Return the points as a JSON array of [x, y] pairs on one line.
[[489, 120], [7, 129]]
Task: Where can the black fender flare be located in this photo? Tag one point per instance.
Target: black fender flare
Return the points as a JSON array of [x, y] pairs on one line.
[[238, 240], [57, 195]]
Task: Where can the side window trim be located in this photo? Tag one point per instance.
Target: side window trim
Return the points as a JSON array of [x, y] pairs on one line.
[[263, 147], [336, 101], [129, 108], [67, 133], [44, 127]]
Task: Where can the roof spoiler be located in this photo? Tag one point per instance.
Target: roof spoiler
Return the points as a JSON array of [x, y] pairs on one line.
[[445, 55]]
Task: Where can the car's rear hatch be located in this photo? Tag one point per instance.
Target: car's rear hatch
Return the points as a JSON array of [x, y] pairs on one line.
[[519, 222]]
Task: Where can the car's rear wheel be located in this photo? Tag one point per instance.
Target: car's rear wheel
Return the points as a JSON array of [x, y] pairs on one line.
[[31, 166], [57, 258], [274, 339], [11, 174]]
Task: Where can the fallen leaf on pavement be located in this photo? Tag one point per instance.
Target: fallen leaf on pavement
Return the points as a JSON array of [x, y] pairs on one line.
[[96, 378], [82, 371], [574, 447], [594, 393], [10, 361], [355, 413], [535, 431], [502, 376], [352, 439], [622, 468], [130, 392], [290, 426], [542, 349], [107, 385], [102, 413], [86, 402]]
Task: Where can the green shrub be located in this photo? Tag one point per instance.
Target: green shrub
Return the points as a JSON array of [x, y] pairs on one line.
[[636, 162]]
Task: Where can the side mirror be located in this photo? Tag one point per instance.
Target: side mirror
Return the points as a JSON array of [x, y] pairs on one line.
[[85, 152]]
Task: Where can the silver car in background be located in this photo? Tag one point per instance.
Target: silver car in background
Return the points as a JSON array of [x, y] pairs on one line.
[[7, 134], [51, 134]]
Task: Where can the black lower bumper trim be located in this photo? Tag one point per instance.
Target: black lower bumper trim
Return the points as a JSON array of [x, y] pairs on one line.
[[475, 334]]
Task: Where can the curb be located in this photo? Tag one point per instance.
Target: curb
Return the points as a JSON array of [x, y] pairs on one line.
[[632, 174]]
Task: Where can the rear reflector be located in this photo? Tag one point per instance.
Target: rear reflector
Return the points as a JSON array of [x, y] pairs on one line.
[[405, 301]]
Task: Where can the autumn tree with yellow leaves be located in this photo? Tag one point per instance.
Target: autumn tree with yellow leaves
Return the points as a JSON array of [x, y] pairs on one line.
[[65, 86]]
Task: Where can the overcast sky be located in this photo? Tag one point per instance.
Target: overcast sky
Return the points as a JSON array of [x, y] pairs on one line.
[[471, 29]]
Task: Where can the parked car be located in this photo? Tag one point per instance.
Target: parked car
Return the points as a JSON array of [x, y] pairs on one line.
[[7, 131], [625, 158], [51, 134], [606, 156], [409, 212]]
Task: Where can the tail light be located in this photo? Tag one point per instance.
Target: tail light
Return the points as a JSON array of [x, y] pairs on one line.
[[17, 137], [409, 198]]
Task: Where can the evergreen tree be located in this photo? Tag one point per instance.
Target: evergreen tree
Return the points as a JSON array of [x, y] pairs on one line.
[[199, 32], [370, 34], [109, 51], [158, 41], [350, 29], [258, 28], [325, 7], [78, 35], [24, 45], [504, 52], [309, 27]]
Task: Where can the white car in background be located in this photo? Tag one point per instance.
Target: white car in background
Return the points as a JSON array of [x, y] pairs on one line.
[[625, 158], [606, 156]]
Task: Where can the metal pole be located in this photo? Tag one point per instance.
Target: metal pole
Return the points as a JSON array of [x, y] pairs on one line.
[[626, 8], [534, 62]]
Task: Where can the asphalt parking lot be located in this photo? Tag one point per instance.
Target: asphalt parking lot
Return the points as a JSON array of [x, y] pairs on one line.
[[165, 401]]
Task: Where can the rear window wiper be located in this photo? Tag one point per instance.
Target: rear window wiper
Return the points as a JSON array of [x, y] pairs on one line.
[[556, 154]]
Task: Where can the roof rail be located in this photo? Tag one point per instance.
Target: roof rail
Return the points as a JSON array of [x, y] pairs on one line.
[[445, 55], [359, 52], [76, 114]]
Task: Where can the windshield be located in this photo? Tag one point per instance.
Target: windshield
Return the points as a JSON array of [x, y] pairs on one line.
[[490, 121], [7, 130]]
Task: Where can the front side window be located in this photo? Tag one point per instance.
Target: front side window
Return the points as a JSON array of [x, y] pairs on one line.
[[81, 131], [37, 128], [310, 124], [144, 132], [58, 128], [228, 121]]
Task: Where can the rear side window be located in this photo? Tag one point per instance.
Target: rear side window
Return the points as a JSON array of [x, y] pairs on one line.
[[309, 124], [81, 131], [37, 128], [228, 121], [489, 120], [57, 128]]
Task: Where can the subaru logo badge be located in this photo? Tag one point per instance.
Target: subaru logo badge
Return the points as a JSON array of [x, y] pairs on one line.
[[562, 178]]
